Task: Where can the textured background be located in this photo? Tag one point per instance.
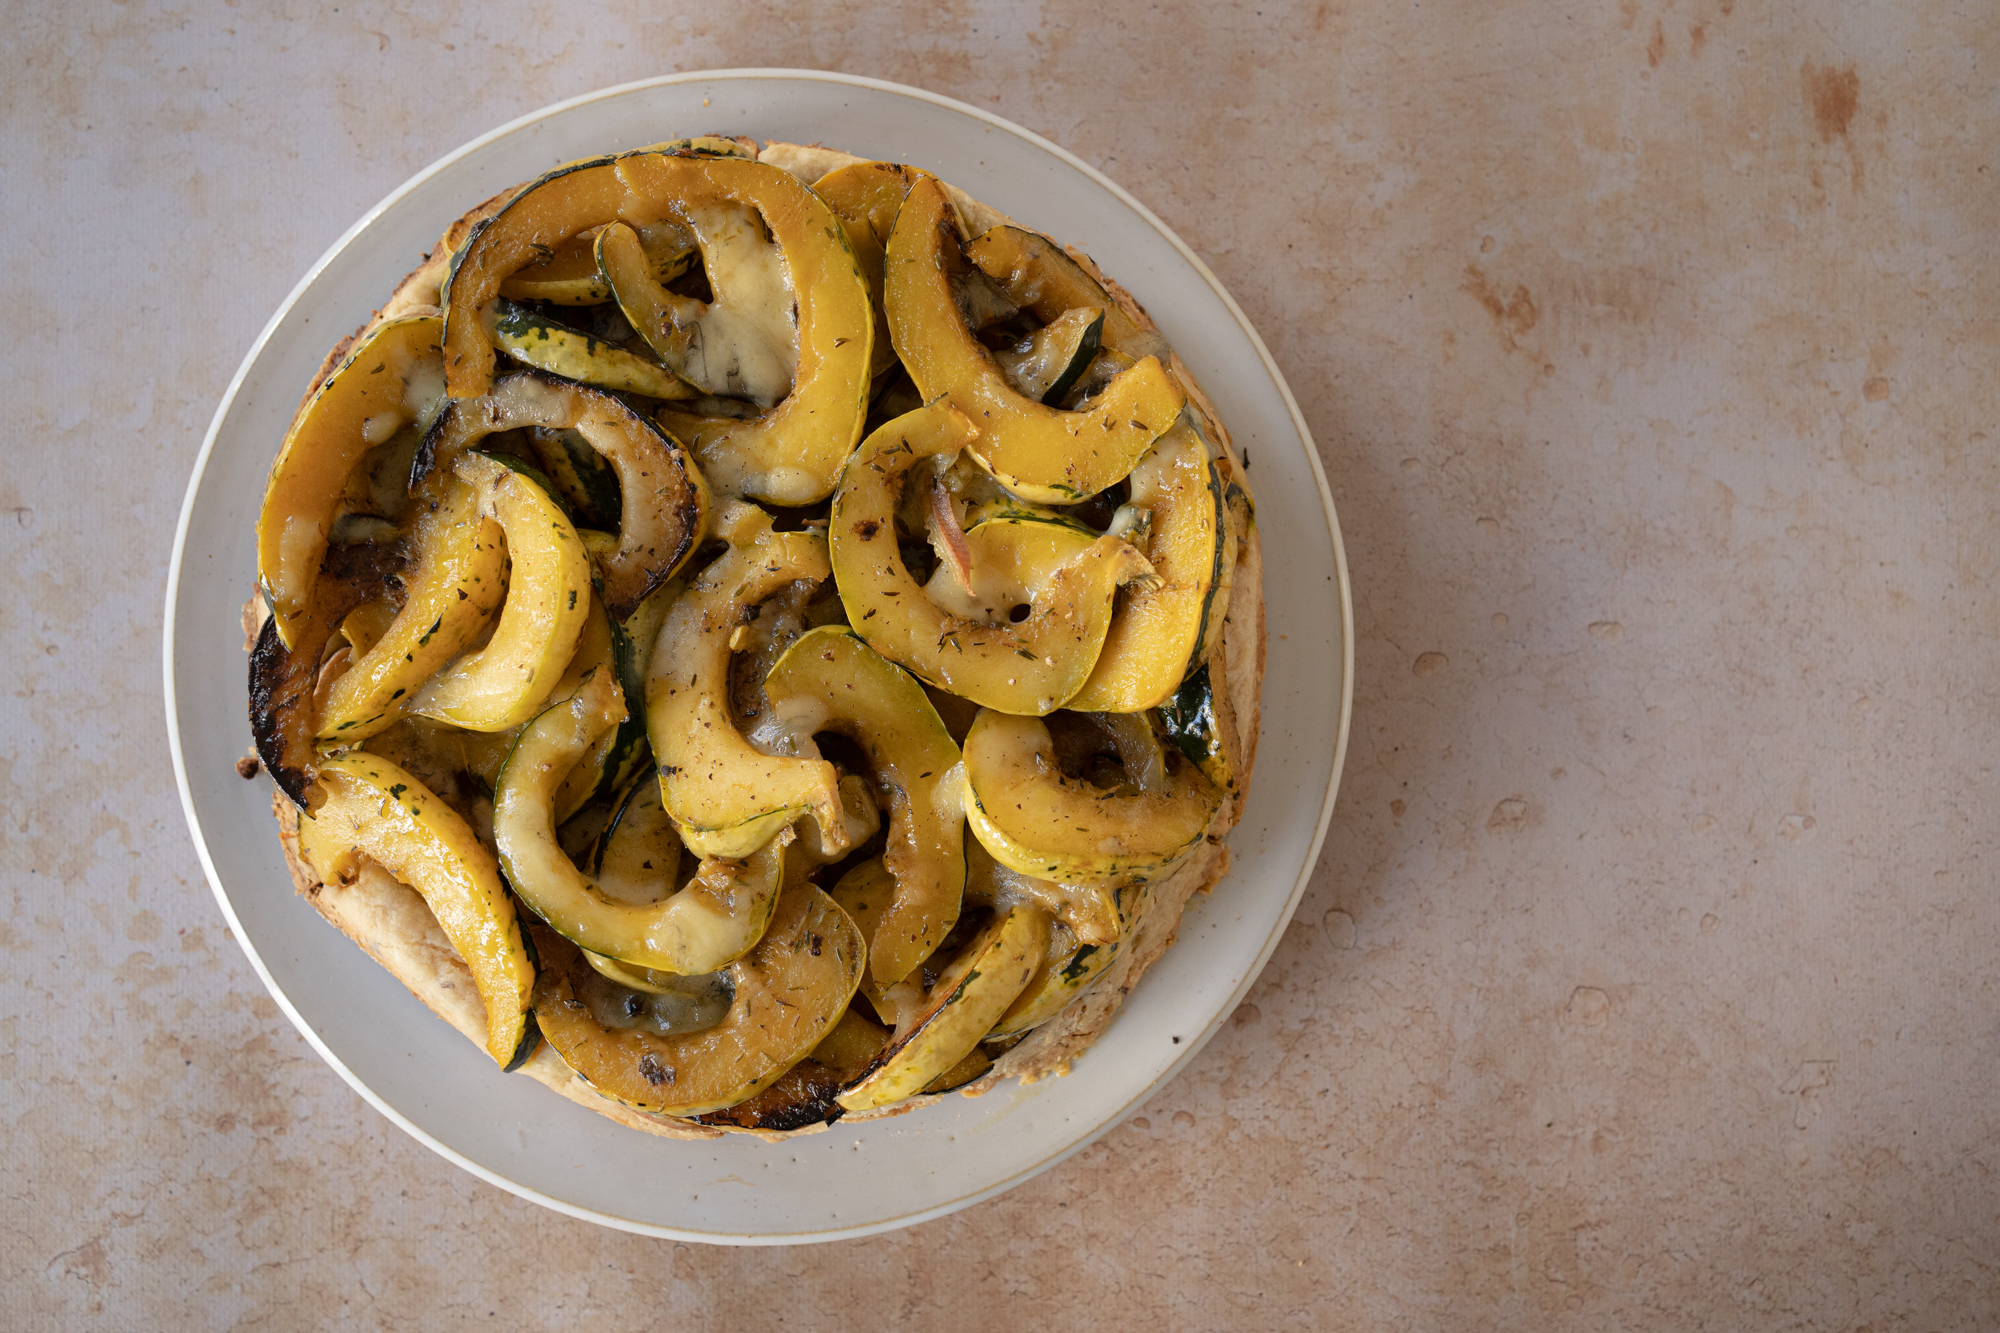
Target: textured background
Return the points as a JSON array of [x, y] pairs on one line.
[[1651, 351]]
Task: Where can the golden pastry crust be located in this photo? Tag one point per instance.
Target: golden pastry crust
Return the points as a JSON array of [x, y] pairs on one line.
[[391, 922]]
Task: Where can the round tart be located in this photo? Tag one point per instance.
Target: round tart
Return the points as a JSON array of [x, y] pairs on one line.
[[751, 636]]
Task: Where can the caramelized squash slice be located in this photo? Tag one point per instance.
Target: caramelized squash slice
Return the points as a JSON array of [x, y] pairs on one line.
[[726, 797], [866, 196], [1031, 666], [971, 994], [665, 498], [788, 454], [1040, 453], [1028, 813], [548, 598], [390, 380], [374, 808], [1159, 630], [701, 928], [459, 581], [789, 992], [830, 680]]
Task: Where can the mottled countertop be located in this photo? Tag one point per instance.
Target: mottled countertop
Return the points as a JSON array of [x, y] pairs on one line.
[[1644, 980]]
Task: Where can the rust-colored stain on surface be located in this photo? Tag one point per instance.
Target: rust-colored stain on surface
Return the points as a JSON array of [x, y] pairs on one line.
[[1833, 94]]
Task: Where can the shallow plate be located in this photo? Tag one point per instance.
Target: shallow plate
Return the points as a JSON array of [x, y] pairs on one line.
[[854, 1179]]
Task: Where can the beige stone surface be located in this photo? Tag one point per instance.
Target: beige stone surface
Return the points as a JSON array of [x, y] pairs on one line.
[[1645, 981]]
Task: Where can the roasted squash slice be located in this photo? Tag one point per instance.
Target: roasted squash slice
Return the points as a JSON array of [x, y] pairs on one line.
[[375, 809], [1031, 666], [726, 797], [789, 454], [706, 926], [830, 680], [1160, 628], [1067, 969], [1027, 813], [1039, 453], [866, 197], [548, 598], [789, 992], [1048, 362], [741, 344], [665, 498], [538, 341], [974, 990], [389, 381], [1039, 276], [459, 580]]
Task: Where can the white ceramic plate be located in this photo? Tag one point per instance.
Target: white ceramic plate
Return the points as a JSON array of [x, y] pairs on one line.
[[854, 1179]]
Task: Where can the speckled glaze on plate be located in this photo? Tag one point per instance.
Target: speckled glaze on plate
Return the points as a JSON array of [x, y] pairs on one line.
[[853, 1179]]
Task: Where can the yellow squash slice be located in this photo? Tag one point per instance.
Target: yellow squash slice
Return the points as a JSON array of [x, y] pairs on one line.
[[727, 797], [1032, 666], [375, 809], [832, 681], [789, 992], [1159, 630], [389, 381], [706, 926], [1040, 453], [548, 599], [1041, 823], [980, 984], [459, 580]]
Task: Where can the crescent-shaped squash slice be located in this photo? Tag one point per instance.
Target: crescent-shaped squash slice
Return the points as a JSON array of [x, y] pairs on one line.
[[1066, 972], [830, 680], [374, 808], [789, 454], [971, 994], [1039, 822], [1039, 453], [727, 797], [548, 598], [866, 196], [1160, 628], [390, 380], [1031, 666], [1039, 276], [459, 580], [535, 340], [789, 992], [704, 927], [665, 498]]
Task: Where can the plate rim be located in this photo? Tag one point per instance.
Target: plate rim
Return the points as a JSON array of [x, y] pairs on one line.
[[1192, 1047]]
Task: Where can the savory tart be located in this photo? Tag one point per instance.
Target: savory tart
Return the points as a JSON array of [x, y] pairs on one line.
[[752, 636]]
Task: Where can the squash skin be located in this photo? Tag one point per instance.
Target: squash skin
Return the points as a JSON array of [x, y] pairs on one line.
[[375, 808], [557, 349], [459, 581], [1025, 812], [1039, 453], [812, 958], [665, 497], [702, 928], [977, 987], [1032, 667], [831, 676], [725, 797], [384, 383], [548, 598], [1162, 629]]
